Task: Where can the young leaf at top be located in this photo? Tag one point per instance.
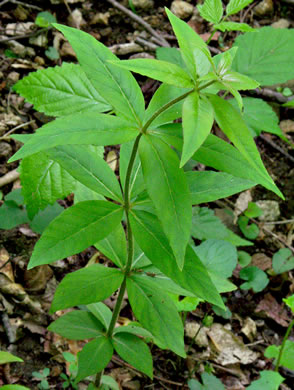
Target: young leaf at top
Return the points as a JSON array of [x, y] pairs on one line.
[[77, 325], [266, 56], [87, 285], [43, 182], [156, 312], [158, 70], [233, 125], [290, 302], [117, 86], [235, 6], [197, 122], [88, 168], [152, 240], [167, 187], [62, 90], [76, 229], [78, 129], [208, 186], [94, 357], [134, 351], [211, 10], [188, 41]]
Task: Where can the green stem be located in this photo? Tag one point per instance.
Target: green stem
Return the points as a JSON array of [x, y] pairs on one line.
[[283, 345], [98, 379], [210, 37], [164, 108]]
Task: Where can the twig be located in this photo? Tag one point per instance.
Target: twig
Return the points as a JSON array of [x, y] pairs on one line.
[[9, 177], [279, 222], [267, 92], [160, 39], [4, 2], [23, 36], [275, 146], [143, 42], [261, 226], [122, 363], [291, 2], [6, 135], [26, 5]]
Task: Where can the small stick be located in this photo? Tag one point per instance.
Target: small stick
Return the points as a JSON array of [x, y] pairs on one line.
[[6, 135], [291, 2], [23, 36], [143, 42], [267, 92], [160, 40], [279, 222], [9, 177], [278, 148], [26, 5]]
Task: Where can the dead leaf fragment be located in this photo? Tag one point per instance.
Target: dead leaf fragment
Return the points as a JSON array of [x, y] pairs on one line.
[[230, 349], [242, 202], [249, 328], [5, 265], [269, 307], [261, 261], [192, 330]]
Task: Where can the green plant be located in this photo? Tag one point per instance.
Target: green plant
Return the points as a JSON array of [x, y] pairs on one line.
[[45, 20], [42, 377], [99, 103]]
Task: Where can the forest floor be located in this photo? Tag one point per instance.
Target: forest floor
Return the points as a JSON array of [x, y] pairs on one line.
[[253, 321]]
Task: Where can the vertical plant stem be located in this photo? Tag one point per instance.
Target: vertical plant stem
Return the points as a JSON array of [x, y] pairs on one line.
[[283, 345], [130, 247]]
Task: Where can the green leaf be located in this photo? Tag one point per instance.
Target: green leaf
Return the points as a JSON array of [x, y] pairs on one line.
[[235, 6], [268, 380], [11, 215], [256, 279], [44, 19], [87, 285], [197, 122], [168, 189], [91, 170], [239, 81], [287, 359], [102, 312], [14, 387], [77, 325], [52, 53], [82, 193], [133, 329], [188, 41], [117, 86], [283, 261], [234, 26], [250, 231], [137, 184], [94, 357], [43, 182], [6, 357], [266, 56], [259, 116], [44, 217], [163, 95], [114, 246], [163, 71], [76, 229], [211, 10], [206, 225], [110, 382], [253, 211], [233, 125], [134, 351], [290, 302], [220, 259], [208, 186], [170, 54], [62, 90], [209, 382], [152, 240], [15, 196], [156, 312], [185, 304], [244, 258], [94, 129]]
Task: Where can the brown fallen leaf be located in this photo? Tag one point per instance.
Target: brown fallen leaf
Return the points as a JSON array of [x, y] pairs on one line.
[[5, 264], [269, 307], [229, 348], [261, 261]]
